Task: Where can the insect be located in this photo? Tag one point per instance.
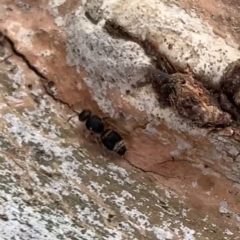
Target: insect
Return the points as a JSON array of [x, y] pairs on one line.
[[109, 137], [92, 122], [113, 141]]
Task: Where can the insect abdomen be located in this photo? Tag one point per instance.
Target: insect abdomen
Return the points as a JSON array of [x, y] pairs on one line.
[[110, 138]]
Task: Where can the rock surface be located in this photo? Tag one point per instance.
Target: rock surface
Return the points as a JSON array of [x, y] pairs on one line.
[[177, 181]]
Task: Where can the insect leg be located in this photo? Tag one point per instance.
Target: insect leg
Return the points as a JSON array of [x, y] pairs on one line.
[[82, 101], [86, 137], [6, 58], [72, 107], [71, 117]]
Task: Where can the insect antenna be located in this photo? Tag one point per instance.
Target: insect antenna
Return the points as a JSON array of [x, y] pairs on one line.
[[72, 107], [6, 58], [84, 140], [71, 118]]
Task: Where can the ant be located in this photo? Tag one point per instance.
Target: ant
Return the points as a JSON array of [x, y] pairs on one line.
[[110, 138], [113, 141]]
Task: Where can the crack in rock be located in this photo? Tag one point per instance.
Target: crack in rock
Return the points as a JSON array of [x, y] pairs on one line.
[[32, 68], [41, 76]]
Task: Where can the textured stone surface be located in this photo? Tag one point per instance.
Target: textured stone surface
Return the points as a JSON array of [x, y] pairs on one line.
[[177, 181]]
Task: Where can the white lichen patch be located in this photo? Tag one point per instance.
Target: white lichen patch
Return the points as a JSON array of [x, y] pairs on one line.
[[115, 63], [224, 209], [228, 232], [162, 234], [27, 222], [108, 62], [225, 152], [56, 3], [188, 234], [100, 195], [84, 199], [137, 219], [21, 34], [193, 41], [45, 53], [118, 172], [17, 77], [53, 6], [59, 21], [25, 134]]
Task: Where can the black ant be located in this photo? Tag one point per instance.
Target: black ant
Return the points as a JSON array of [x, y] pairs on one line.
[[92, 122], [110, 138], [113, 141]]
